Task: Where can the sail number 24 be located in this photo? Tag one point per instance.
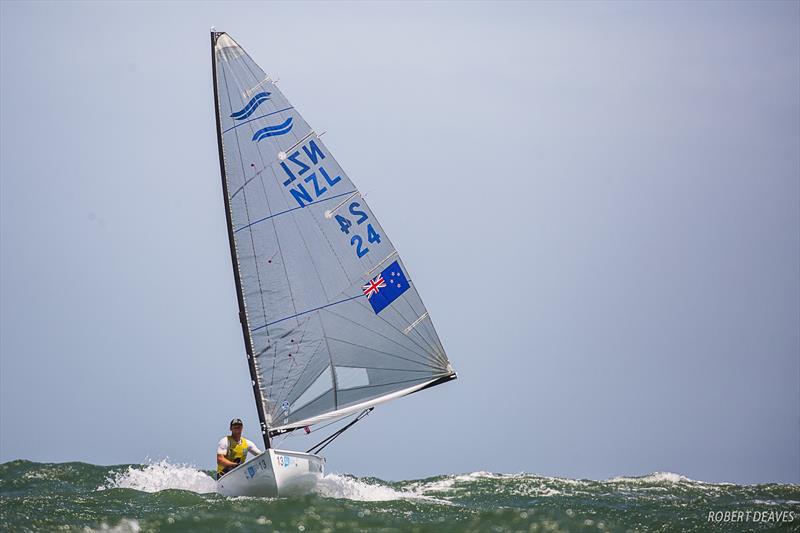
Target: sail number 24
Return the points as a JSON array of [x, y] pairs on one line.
[[356, 240], [308, 180]]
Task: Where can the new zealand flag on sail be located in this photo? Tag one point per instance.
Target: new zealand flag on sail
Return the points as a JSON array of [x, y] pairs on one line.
[[386, 288]]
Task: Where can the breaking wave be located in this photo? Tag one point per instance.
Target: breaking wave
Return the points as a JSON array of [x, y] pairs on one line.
[[162, 475]]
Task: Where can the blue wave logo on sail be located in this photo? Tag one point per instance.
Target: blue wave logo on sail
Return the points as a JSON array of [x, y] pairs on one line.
[[251, 106], [273, 131]]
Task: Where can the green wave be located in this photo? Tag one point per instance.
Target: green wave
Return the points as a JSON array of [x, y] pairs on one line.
[[76, 496]]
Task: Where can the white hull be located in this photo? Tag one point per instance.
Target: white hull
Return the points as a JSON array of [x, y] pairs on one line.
[[274, 473]]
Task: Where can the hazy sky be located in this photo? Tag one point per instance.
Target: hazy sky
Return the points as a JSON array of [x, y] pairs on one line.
[[600, 204]]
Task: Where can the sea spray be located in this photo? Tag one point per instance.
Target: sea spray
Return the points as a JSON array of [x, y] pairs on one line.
[[161, 475]]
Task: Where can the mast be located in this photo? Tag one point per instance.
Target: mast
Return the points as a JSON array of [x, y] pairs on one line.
[[234, 259]]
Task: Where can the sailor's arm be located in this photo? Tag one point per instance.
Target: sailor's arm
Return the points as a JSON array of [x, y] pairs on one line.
[[252, 448], [224, 462], [222, 449]]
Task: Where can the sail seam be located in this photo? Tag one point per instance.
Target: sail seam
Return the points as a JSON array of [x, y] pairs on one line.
[[333, 368], [305, 312], [427, 348], [257, 118], [299, 377], [385, 353], [289, 211], [423, 354]]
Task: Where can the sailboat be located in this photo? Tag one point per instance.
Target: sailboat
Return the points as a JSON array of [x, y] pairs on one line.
[[332, 322]]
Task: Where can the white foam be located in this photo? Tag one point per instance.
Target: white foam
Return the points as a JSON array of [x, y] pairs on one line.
[[337, 486], [442, 485], [162, 475], [655, 477], [661, 477], [125, 526]]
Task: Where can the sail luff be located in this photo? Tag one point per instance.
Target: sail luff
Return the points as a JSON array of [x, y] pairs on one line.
[[234, 256]]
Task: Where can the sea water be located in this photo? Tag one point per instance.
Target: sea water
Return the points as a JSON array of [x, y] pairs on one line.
[[162, 496]]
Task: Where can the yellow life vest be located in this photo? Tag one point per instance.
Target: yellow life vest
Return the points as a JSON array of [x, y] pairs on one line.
[[236, 450]]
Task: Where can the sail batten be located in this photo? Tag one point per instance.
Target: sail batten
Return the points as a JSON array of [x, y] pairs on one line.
[[331, 319]]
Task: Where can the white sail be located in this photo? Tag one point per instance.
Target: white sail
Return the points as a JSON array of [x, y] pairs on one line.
[[331, 317]]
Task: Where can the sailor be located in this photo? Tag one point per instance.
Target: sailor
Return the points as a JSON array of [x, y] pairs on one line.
[[232, 450]]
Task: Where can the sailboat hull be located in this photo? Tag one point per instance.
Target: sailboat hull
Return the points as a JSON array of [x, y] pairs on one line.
[[274, 473]]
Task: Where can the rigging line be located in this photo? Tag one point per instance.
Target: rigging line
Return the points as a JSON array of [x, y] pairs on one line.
[[424, 354], [331, 423], [247, 214], [291, 433], [306, 312], [257, 118], [320, 446], [385, 353]]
